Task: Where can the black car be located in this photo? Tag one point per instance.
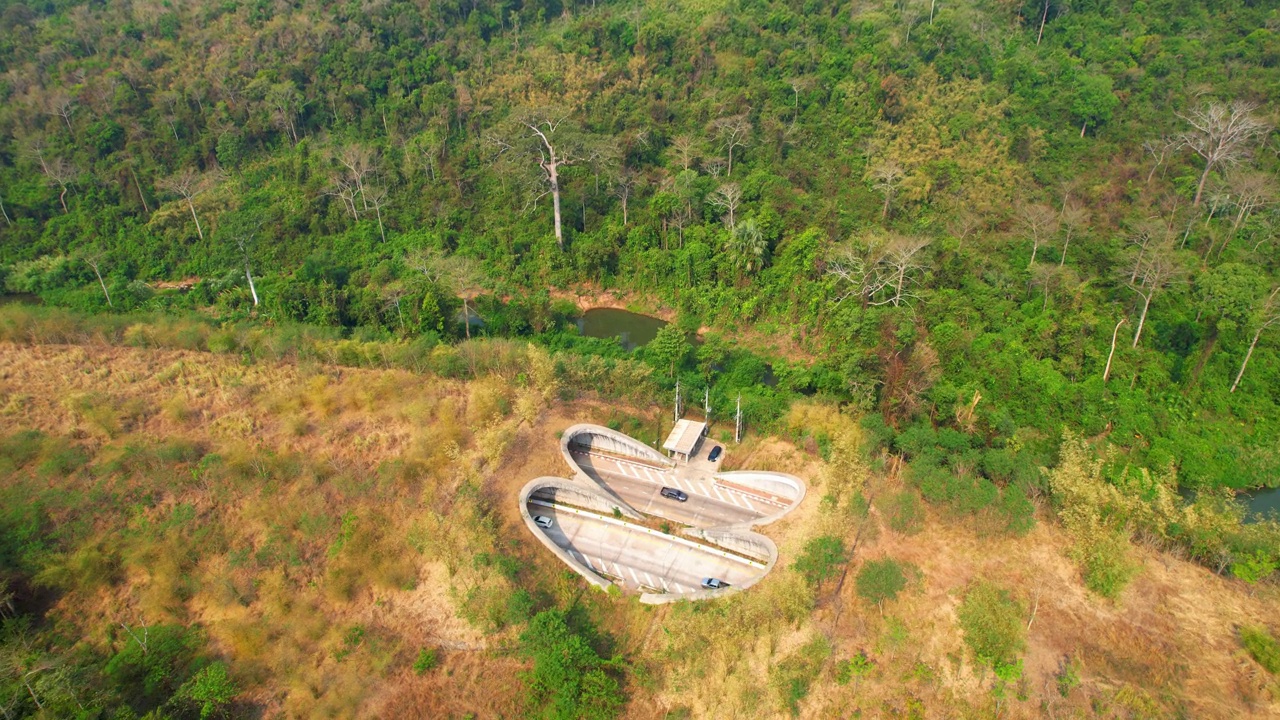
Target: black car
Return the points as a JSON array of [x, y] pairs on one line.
[[715, 453], [674, 494]]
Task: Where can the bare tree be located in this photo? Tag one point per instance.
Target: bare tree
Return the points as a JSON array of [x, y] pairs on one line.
[[1114, 333], [1143, 235], [882, 272], [4, 212], [360, 162], [61, 173], [377, 200], [1251, 190], [547, 138], [727, 197], [189, 184], [285, 102], [732, 132], [1267, 315], [1156, 270], [1074, 219], [1221, 134], [886, 177], [93, 257], [624, 185], [1159, 151], [1050, 278], [684, 148], [244, 233], [343, 189], [462, 275], [1039, 223], [61, 105]]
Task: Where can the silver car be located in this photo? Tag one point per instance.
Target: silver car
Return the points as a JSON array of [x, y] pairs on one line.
[[543, 521]]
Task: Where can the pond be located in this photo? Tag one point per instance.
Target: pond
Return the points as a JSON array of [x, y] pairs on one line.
[[632, 329], [1261, 502]]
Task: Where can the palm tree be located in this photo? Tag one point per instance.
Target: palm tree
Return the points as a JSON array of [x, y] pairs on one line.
[[747, 246]]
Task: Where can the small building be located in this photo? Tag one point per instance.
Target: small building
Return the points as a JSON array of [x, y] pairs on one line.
[[684, 439]]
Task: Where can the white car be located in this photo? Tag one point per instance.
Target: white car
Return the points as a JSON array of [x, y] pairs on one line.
[[542, 521]]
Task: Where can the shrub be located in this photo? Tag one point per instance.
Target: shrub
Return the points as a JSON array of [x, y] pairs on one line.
[[880, 580], [822, 556], [793, 677], [854, 667], [427, 660], [1262, 646], [992, 623], [904, 512]]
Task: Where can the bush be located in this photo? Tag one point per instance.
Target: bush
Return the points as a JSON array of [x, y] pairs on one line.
[[854, 667], [427, 660], [880, 580], [569, 679], [1262, 646], [793, 677], [904, 512], [992, 622], [821, 558]]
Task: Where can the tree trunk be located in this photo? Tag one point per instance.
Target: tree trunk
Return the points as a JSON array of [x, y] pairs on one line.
[[1247, 355], [103, 284], [1035, 247], [138, 185], [1043, 18], [62, 198], [5, 213], [1142, 320], [624, 211], [555, 201], [1114, 333], [199, 230], [884, 211], [1083, 125], [466, 317], [381, 231], [252, 290], [1204, 176], [1062, 260], [730, 170]]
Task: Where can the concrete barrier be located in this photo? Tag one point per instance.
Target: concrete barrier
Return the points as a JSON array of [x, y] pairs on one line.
[[566, 485], [768, 484], [601, 438]]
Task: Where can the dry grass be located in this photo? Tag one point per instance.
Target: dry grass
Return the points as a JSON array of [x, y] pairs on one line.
[[355, 499]]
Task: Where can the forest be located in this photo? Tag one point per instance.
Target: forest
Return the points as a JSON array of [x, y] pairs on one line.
[[1025, 252]]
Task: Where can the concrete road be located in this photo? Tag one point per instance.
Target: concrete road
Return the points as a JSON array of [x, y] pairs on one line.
[[638, 558], [709, 504]]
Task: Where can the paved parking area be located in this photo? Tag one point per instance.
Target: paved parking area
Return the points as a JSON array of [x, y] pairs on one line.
[[639, 558]]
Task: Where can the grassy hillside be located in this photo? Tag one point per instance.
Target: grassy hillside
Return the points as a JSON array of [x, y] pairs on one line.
[[339, 542]]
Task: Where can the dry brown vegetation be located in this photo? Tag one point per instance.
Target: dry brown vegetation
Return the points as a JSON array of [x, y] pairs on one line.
[[323, 525]]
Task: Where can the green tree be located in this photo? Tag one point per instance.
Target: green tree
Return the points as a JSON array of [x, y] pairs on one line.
[[821, 559], [668, 348], [569, 679], [880, 580], [1094, 101], [993, 625]]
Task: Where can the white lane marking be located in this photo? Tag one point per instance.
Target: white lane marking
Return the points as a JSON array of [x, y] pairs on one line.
[[633, 576], [587, 561], [702, 489], [680, 588], [718, 493], [733, 499], [664, 584], [649, 579], [748, 502]]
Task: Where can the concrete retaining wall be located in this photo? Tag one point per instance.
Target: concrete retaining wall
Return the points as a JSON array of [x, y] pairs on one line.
[[598, 437], [560, 485]]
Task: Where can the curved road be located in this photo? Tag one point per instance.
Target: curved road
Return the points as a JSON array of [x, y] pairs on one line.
[[709, 504], [638, 558]]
